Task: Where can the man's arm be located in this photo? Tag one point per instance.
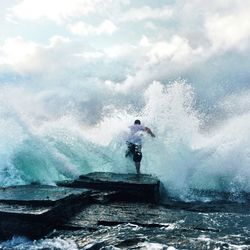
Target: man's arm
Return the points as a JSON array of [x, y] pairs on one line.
[[148, 130]]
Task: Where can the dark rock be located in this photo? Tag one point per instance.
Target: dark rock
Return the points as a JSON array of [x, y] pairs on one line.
[[130, 186], [116, 213], [130, 225], [34, 210]]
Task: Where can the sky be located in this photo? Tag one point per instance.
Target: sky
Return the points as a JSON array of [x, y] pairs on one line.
[[125, 45]]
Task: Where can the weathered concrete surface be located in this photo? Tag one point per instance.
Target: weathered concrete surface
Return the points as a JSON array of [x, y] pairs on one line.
[[33, 210], [130, 186]]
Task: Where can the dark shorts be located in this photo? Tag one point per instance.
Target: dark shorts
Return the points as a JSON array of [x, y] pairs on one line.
[[134, 151]]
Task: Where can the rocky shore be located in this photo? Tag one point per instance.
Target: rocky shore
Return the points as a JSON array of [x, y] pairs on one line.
[[177, 225], [111, 218]]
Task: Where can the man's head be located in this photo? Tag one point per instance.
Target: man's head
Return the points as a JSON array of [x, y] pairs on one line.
[[137, 122]]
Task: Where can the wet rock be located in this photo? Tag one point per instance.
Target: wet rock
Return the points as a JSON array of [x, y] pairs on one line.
[[108, 218], [34, 210], [130, 186], [122, 225]]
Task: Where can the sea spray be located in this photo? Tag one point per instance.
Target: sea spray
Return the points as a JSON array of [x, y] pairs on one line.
[[50, 135], [187, 157]]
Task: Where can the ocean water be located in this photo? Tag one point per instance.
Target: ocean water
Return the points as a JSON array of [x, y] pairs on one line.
[[51, 133], [57, 132]]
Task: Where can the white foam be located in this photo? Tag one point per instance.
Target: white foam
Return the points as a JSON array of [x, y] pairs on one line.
[[154, 246], [23, 243]]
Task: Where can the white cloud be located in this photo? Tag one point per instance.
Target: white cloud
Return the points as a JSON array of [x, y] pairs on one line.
[[209, 23], [204, 30], [229, 31], [177, 50], [56, 10], [144, 42], [84, 29], [150, 25], [16, 52], [153, 59], [25, 56], [63, 55], [107, 27], [60, 10], [146, 12], [90, 55], [58, 40], [122, 50]]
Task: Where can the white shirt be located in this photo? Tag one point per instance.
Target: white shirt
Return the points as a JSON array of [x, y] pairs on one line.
[[135, 134]]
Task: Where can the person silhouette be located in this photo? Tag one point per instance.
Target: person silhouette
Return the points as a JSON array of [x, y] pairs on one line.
[[134, 143]]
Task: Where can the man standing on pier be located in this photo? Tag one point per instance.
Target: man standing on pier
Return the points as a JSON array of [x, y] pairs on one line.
[[135, 144]]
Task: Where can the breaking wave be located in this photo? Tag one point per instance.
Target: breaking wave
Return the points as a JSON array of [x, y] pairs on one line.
[[58, 134]]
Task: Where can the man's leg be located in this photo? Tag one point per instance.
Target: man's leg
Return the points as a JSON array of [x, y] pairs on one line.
[[137, 158], [137, 167]]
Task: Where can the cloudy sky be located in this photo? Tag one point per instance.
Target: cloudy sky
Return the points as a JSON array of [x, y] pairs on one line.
[[125, 45]]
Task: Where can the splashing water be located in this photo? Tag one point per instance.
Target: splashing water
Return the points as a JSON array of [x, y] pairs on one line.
[[53, 135], [23, 243]]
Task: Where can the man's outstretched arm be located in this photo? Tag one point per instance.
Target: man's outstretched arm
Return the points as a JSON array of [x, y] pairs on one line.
[[148, 130]]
